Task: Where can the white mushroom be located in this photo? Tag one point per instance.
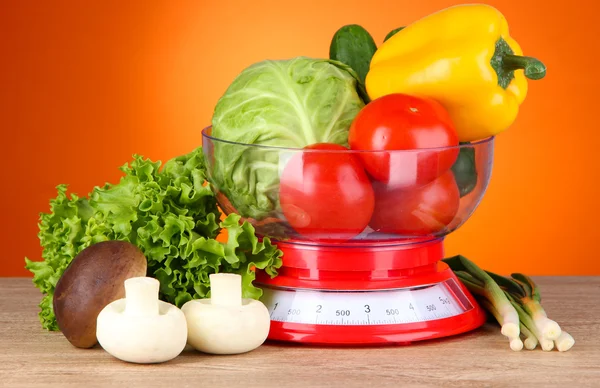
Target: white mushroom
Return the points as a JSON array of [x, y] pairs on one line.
[[140, 328], [226, 323]]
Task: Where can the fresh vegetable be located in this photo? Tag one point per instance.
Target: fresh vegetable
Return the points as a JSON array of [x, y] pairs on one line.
[[416, 212], [515, 342], [518, 294], [287, 103], [93, 279], [226, 323], [140, 328], [354, 46], [463, 57], [530, 299], [392, 33], [480, 283], [408, 123], [465, 170], [531, 341], [325, 193], [545, 343], [170, 214], [564, 341], [522, 290]]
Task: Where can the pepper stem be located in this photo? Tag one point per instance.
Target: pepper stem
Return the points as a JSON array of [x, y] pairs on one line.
[[534, 68]]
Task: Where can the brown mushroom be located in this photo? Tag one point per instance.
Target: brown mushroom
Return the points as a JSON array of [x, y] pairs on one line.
[[94, 279]]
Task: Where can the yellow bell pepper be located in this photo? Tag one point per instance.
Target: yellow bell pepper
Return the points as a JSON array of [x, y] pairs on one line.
[[464, 58]]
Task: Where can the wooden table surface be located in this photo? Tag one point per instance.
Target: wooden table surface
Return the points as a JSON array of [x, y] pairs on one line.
[[32, 357]]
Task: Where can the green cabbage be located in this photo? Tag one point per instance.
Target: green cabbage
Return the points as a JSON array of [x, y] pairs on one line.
[[287, 103], [170, 214]]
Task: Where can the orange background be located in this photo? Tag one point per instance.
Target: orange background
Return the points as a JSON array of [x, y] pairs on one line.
[[85, 84]]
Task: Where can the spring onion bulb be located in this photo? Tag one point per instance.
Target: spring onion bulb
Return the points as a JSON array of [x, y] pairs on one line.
[[531, 341], [564, 341]]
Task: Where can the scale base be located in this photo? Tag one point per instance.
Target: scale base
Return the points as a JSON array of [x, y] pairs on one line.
[[391, 334], [310, 303]]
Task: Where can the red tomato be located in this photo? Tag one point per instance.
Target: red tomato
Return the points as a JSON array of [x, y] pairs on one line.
[[416, 212], [326, 195], [403, 122]]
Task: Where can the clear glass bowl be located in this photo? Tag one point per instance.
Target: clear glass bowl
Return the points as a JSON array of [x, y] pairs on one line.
[[333, 196]]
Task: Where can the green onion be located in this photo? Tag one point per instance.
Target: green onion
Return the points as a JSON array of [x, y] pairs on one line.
[[531, 303], [508, 285], [515, 303], [545, 343], [489, 289], [564, 341], [531, 341], [468, 277], [515, 342]]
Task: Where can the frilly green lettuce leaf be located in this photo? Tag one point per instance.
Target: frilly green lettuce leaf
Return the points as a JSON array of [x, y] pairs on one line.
[[60, 233], [170, 214]]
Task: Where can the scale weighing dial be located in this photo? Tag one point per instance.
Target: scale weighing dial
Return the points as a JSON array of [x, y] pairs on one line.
[[371, 307]]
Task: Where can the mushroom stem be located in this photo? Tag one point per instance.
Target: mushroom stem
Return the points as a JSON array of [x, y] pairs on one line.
[[226, 289], [141, 296]]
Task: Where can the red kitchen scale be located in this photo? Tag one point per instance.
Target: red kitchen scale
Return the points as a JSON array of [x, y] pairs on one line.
[[366, 295], [376, 288]]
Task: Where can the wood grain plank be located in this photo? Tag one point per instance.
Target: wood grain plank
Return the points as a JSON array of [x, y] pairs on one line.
[[31, 357]]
